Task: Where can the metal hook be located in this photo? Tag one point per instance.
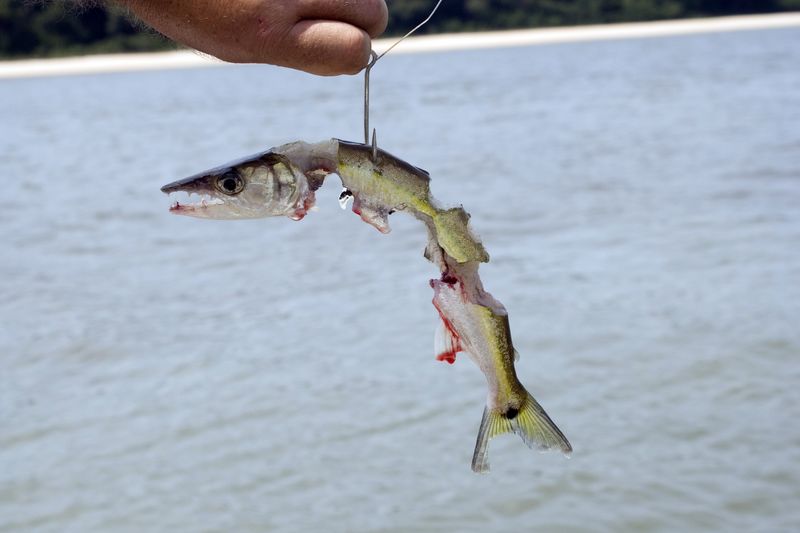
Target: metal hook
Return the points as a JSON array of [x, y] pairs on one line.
[[374, 59]]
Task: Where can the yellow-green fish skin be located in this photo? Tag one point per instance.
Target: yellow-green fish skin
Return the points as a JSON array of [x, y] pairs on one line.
[[483, 332], [395, 183], [496, 332], [389, 184], [454, 235], [282, 181]]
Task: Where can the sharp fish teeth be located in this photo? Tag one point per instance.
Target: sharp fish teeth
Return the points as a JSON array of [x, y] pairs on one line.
[[179, 198], [193, 199]]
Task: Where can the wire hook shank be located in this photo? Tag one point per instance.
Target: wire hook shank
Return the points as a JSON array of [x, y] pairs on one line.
[[374, 57]]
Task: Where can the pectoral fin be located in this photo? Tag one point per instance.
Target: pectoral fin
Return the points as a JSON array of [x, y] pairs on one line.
[[374, 215]]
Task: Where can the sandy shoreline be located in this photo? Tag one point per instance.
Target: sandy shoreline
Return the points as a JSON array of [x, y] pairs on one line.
[[433, 43]]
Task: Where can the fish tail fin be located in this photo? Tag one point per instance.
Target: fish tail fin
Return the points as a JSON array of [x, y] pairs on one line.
[[530, 422], [492, 424]]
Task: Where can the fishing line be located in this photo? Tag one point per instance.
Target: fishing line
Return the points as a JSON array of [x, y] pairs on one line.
[[375, 57]]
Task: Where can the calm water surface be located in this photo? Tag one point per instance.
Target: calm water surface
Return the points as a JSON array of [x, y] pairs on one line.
[[641, 202]]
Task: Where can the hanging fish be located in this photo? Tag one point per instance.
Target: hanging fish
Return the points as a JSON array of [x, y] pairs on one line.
[[282, 182]]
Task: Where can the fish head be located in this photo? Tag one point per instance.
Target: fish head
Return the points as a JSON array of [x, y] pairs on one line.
[[263, 185]]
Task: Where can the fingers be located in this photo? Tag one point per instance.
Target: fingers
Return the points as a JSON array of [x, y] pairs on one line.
[[327, 48], [368, 15], [323, 37], [326, 37]]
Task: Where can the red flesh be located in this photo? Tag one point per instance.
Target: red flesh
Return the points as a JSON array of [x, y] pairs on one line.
[[450, 355]]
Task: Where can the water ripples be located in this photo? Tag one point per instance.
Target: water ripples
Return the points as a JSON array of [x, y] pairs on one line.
[[162, 373]]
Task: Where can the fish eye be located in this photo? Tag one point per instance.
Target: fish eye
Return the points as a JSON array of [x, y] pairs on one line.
[[230, 183]]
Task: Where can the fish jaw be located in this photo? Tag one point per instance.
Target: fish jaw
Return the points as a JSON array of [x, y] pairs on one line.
[[208, 205], [200, 209], [259, 186]]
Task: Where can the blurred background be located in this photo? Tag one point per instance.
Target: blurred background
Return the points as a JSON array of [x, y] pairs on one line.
[[38, 28], [639, 199]]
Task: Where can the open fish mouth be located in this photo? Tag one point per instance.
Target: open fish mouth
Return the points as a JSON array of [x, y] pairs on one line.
[[183, 202]]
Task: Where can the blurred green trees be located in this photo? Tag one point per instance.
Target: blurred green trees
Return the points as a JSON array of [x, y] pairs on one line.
[[35, 28], [470, 15], [38, 28]]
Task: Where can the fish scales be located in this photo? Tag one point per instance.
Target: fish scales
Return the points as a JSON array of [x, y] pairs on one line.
[[282, 182]]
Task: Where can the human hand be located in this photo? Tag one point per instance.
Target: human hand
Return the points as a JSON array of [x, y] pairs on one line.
[[325, 37]]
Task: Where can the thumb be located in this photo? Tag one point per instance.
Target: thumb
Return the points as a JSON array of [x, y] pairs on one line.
[[327, 47]]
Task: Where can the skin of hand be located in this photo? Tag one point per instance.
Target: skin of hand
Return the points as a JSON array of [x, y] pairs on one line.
[[325, 37]]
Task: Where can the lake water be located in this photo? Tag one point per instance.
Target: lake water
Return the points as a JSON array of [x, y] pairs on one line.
[[641, 202]]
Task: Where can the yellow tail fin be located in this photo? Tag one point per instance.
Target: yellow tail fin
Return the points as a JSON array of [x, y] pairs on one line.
[[530, 422]]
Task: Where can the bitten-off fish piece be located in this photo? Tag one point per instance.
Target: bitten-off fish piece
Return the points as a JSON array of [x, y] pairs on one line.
[[474, 322], [282, 182], [386, 184]]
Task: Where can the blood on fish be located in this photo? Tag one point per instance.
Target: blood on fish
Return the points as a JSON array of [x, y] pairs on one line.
[[447, 278], [450, 355], [452, 248]]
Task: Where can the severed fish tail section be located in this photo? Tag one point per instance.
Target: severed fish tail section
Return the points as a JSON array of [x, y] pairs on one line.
[[531, 423]]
